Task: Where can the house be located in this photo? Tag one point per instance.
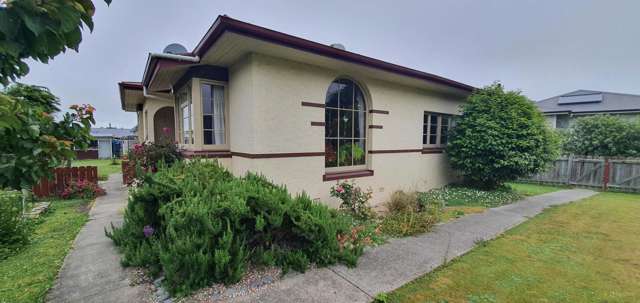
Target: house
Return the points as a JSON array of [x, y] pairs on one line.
[[561, 110], [302, 113], [109, 142]]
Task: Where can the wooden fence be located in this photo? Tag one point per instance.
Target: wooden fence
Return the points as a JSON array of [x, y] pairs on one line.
[[63, 176], [615, 173]]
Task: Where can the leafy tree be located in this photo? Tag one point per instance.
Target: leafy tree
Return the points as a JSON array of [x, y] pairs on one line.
[[40, 30], [33, 142], [501, 136], [603, 135]]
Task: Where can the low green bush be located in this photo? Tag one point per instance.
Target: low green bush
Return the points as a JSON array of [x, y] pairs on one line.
[[409, 223], [401, 201], [198, 224], [14, 230]]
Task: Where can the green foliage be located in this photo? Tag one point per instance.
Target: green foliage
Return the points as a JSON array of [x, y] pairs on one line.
[[603, 135], [208, 225], [34, 142], [401, 201], [501, 136], [455, 195], [381, 298], [354, 199], [39, 30], [14, 230], [409, 223]]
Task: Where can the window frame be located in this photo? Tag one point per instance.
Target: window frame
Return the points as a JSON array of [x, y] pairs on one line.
[[182, 105], [225, 113], [366, 137], [426, 125]]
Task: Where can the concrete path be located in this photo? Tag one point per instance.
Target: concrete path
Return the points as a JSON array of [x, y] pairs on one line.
[[92, 271], [387, 267]]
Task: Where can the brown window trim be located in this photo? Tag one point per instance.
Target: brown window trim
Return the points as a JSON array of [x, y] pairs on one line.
[[433, 150], [375, 126], [394, 151], [313, 123], [312, 104], [278, 155], [206, 153], [377, 111], [347, 175]]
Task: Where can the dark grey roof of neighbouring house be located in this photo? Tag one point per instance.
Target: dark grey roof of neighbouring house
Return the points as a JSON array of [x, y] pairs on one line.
[[589, 101], [112, 132]]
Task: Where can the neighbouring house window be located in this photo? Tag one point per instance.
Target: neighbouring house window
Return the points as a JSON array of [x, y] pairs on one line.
[[183, 98], [345, 125], [213, 114], [562, 121], [435, 129]]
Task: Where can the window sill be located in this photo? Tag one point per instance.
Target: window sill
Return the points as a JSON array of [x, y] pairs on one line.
[[433, 150], [347, 175]]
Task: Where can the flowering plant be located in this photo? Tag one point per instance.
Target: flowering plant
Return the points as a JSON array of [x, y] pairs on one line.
[[148, 231], [81, 189], [354, 199]]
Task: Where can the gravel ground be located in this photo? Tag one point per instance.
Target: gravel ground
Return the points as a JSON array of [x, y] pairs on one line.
[[254, 279]]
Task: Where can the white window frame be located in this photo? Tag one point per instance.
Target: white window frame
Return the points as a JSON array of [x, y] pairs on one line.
[[225, 88], [426, 123], [185, 106]]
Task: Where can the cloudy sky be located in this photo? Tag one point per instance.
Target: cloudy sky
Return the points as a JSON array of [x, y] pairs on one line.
[[543, 48]]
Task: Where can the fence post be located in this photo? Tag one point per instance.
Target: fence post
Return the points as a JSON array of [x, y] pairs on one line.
[[569, 168], [605, 174]]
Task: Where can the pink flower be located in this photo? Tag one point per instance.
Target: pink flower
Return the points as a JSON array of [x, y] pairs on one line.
[[339, 189], [166, 130]]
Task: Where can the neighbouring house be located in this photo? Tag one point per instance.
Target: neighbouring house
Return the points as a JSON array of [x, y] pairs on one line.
[[302, 113], [561, 110], [108, 142]]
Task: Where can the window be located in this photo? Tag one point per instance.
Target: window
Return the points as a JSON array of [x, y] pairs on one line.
[[345, 125], [562, 121], [213, 114], [435, 129], [183, 98]]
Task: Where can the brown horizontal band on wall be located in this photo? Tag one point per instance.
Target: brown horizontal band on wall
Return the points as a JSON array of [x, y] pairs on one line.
[[206, 153], [278, 155], [377, 111], [433, 150], [347, 175], [375, 126], [317, 123], [313, 104], [394, 151]]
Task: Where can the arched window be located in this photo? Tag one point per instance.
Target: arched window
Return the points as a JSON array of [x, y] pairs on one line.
[[345, 125]]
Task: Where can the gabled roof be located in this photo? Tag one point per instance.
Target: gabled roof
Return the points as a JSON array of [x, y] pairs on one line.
[[226, 24], [590, 101]]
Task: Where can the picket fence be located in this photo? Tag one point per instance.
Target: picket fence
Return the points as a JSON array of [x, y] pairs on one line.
[[615, 173], [63, 176]]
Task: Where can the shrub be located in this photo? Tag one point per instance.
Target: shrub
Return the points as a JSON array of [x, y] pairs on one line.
[[354, 199], [198, 224], [455, 195], [603, 135], [500, 136], [14, 229], [148, 155], [81, 189], [401, 201], [409, 223]]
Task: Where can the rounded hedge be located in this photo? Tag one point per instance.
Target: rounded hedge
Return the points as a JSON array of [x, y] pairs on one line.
[[500, 137]]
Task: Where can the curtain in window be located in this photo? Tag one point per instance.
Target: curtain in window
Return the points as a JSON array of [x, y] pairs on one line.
[[213, 114]]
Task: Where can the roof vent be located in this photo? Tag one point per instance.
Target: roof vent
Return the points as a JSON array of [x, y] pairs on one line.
[[338, 46], [175, 48]]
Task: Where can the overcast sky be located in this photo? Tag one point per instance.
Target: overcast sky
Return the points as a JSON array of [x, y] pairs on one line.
[[543, 48]]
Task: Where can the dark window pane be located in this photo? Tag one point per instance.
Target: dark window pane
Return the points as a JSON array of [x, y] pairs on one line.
[[331, 123], [208, 137], [359, 153], [359, 102], [332, 95], [206, 99], [346, 94], [424, 139], [359, 124], [346, 124], [433, 130], [207, 122], [433, 139], [345, 157], [331, 155], [425, 129]]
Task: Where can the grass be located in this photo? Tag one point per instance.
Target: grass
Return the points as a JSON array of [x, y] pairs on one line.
[[582, 252], [105, 168], [532, 189], [28, 275]]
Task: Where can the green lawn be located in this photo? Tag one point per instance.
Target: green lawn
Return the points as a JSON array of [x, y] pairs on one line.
[[586, 251], [105, 168], [532, 189], [28, 275]]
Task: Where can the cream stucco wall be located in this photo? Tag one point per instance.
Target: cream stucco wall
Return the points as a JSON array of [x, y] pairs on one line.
[[266, 117]]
